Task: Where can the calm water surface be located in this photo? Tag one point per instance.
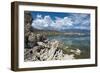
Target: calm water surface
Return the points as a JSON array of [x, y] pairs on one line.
[[73, 42]]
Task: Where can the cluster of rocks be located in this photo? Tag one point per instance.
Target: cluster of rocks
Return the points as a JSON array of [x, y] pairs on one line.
[[42, 49], [27, 26]]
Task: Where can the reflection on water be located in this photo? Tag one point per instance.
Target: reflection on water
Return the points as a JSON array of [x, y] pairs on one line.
[[73, 42]]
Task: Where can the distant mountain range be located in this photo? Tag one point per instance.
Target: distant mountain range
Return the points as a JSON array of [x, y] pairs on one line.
[[66, 30], [77, 30]]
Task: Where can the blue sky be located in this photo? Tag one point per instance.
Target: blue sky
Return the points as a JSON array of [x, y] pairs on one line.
[[60, 21]]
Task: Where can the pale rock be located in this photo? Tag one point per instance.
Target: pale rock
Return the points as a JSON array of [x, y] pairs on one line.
[[41, 44], [68, 57], [76, 51], [54, 45]]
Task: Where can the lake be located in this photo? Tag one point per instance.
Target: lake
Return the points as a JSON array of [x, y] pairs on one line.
[[74, 42]]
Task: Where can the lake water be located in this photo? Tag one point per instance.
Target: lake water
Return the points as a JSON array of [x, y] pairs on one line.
[[74, 42]]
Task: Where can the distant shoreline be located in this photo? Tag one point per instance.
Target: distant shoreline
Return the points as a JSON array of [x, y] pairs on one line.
[[61, 33]]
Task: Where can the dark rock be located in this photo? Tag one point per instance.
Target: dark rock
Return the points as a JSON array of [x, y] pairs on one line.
[[28, 17], [43, 38], [32, 38], [38, 37], [31, 44], [27, 25], [26, 41]]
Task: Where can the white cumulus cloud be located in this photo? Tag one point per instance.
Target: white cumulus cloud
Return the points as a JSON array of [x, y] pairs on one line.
[[46, 22]]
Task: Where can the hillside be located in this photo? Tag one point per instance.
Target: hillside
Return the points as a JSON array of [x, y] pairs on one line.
[[80, 32]]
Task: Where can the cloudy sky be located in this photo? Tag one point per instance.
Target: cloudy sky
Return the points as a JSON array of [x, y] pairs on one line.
[[60, 21]]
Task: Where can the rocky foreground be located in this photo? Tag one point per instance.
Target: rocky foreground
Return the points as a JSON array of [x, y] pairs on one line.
[[43, 49]]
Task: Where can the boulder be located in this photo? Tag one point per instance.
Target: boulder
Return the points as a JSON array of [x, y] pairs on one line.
[[76, 51], [41, 44], [32, 40], [41, 38], [32, 37]]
